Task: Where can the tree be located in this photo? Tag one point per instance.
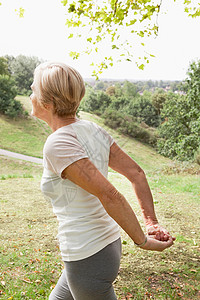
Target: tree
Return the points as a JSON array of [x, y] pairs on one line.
[[129, 90], [158, 99], [109, 18], [144, 111], [110, 90], [22, 68], [99, 86], [180, 133], [4, 66], [8, 105], [97, 102], [119, 104]]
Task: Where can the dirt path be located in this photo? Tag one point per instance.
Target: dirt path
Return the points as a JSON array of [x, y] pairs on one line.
[[21, 156]]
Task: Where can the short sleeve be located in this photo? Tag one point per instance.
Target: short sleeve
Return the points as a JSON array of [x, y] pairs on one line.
[[106, 135], [61, 150]]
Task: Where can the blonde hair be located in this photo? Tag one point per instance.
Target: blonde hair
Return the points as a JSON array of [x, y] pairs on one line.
[[61, 85]]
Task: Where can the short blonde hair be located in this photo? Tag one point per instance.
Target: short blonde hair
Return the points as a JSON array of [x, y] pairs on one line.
[[61, 85]]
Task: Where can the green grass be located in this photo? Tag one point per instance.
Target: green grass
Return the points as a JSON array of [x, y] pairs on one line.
[[29, 255], [25, 135]]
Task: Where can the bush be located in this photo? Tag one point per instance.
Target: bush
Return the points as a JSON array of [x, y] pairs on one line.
[[158, 100], [127, 125], [8, 105], [144, 111], [119, 103], [96, 102]]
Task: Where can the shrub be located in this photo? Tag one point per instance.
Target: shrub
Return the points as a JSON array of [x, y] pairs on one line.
[[158, 99], [127, 125], [8, 105], [144, 111], [119, 103], [96, 102]]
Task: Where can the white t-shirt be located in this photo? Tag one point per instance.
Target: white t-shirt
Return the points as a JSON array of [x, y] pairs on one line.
[[84, 226]]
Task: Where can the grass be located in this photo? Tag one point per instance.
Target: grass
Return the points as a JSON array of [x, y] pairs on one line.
[[25, 136], [29, 255]]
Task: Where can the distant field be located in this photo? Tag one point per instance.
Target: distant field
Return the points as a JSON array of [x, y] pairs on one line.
[[29, 255]]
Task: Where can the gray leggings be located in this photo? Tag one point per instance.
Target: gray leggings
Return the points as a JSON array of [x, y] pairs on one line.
[[90, 278]]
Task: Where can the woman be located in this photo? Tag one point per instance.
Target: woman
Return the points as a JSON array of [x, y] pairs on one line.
[[88, 207]]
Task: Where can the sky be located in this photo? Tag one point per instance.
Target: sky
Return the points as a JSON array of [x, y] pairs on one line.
[[43, 33]]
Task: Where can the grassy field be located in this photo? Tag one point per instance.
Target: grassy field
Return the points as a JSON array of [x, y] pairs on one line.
[[29, 254]]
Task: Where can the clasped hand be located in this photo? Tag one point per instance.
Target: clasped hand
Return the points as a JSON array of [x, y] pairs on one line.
[[158, 238], [158, 232]]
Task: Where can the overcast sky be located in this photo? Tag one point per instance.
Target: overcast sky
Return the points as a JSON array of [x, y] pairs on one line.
[[43, 33]]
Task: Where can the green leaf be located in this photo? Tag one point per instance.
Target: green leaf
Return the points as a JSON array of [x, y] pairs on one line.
[[64, 2], [74, 54], [69, 23], [20, 12], [89, 40], [98, 38], [132, 22], [115, 47], [70, 36], [141, 33], [71, 8], [141, 67]]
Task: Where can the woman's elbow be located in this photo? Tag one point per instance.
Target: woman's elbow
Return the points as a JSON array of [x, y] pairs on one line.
[[137, 175]]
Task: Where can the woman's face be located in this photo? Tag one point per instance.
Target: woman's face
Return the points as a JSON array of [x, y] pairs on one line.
[[37, 109]]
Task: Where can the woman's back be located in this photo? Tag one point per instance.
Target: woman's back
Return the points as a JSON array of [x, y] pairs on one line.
[[84, 225]]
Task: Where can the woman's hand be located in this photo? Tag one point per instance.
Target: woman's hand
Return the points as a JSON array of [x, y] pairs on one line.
[[155, 245], [158, 232]]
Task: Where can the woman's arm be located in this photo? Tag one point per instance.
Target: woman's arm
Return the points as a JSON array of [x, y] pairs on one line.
[[88, 177], [125, 165]]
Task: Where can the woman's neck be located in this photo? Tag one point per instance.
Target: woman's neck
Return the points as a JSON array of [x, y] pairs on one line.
[[58, 122]]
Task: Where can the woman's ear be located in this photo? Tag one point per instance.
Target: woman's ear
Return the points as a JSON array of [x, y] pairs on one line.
[[48, 107]]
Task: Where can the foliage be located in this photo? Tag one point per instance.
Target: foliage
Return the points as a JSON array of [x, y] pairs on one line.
[[109, 20], [111, 90], [97, 102], [104, 19], [4, 66], [144, 111], [22, 68], [128, 125], [129, 90], [180, 133], [99, 86], [119, 104], [8, 105], [158, 99]]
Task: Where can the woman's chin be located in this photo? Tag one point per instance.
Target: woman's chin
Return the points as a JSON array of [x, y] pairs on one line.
[[33, 113]]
